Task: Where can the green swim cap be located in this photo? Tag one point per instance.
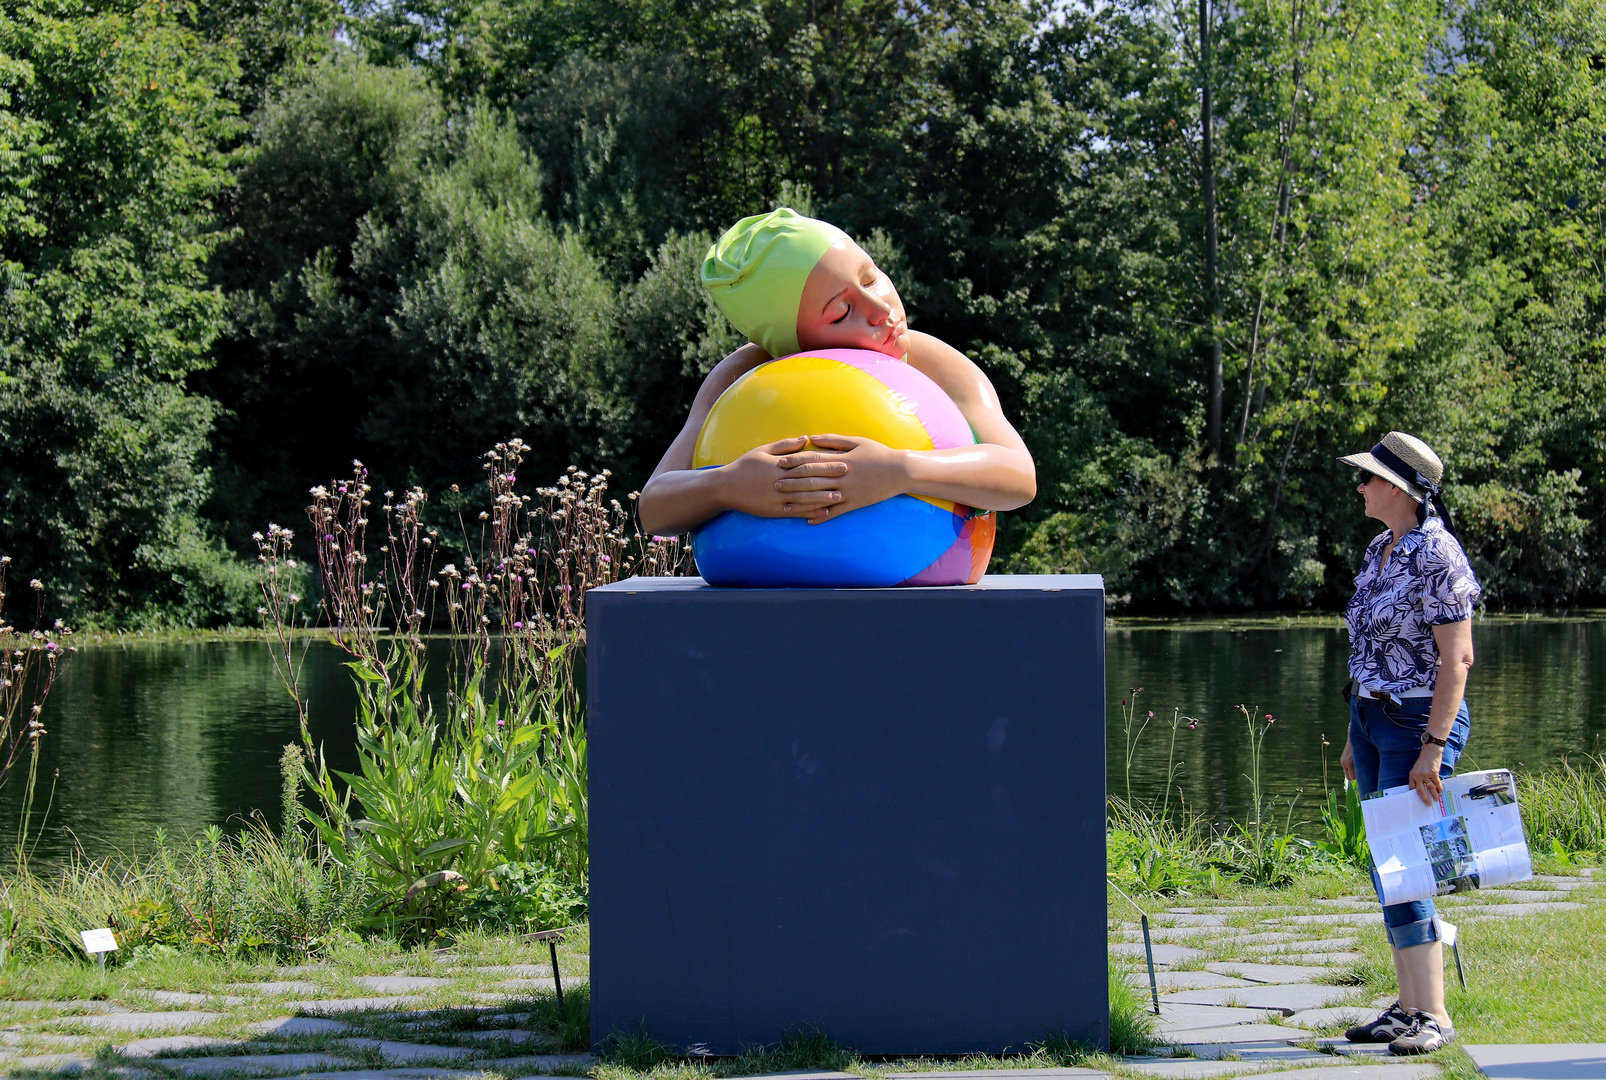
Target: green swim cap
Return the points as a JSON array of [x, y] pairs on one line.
[[756, 272]]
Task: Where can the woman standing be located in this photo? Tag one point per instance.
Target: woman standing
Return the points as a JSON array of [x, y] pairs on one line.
[[1410, 650]]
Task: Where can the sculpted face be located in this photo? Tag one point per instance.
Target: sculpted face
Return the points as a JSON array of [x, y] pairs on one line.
[[848, 303]]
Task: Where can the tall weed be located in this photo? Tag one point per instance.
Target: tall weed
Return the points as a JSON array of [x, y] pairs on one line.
[[495, 772], [1564, 807]]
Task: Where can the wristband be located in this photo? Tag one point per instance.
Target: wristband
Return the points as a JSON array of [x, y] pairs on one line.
[[1426, 738]]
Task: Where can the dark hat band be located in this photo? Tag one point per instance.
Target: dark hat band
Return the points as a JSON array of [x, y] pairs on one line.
[[1391, 460]]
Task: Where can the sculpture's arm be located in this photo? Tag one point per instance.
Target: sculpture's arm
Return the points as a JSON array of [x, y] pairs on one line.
[[678, 497], [995, 474]]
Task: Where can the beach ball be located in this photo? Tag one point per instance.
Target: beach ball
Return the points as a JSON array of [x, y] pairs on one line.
[[905, 540]]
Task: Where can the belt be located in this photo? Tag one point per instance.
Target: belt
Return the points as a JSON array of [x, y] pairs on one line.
[[1387, 695]]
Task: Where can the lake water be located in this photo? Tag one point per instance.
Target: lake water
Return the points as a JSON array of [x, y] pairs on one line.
[[180, 735]]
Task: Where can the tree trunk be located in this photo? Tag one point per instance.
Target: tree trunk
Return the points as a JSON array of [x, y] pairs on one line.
[[1208, 190]]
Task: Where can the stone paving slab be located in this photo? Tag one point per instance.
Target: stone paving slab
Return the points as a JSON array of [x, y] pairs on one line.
[[1270, 973], [156, 1021], [1286, 998], [1196, 1068], [15, 1038], [180, 997], [1348, 1015], [523, 971], [1236, 1034], [1553, 1061], [1267, 1052], [982, 1074], [171, 1044], [343, 1005], [297, 1025], [1512, 911], [286, 986], [1168, 933], [1175, 1016], [1265, 937], [1188, 918], [257, 1064], [560, 1061], [1337, 918], [1524, 895], [510, 985], [56, 1062], [405, 1053], [64, 1006], [399, 984], [516, 1036], [1184, 980], [1163, 954], [1312, 958], [389, 1074], [807, 1074], [1404, 1070], [1342, 1046], [1326, 944]]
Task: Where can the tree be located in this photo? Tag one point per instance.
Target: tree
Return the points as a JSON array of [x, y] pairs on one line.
[[105, 308]]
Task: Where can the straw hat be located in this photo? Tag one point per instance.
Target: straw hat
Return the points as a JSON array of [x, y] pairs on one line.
[[1404, 461]]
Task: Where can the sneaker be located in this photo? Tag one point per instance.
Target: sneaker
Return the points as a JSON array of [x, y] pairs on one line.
[[1390, 1024], [1424, 1037]]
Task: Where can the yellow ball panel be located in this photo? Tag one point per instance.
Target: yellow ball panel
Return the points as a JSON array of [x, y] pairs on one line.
[[806, 395]]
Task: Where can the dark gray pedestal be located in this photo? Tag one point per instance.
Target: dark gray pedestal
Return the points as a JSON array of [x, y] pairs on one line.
[[879, 812]]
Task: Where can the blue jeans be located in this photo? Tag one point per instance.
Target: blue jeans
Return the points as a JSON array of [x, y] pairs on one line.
[[1387, 739]]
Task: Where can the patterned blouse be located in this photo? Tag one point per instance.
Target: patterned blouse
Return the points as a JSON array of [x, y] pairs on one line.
[[1427, 583]]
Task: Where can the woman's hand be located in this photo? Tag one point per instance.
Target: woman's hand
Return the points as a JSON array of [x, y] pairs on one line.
[[859, 472], [1347, 760], [1425, 773]]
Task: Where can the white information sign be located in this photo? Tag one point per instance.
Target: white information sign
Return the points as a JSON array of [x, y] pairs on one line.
[[98, 941], [1469, 838]]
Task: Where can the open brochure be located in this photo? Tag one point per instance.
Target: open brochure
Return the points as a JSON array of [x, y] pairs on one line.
[[1470, 838]]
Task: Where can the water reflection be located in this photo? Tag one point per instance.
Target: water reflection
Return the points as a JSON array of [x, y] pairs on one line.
[[177, 736], [1537, 692]]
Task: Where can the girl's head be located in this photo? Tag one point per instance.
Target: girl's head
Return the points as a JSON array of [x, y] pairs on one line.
[[790, 282]]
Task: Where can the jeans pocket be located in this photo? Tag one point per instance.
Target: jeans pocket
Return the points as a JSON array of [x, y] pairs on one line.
[[1410, 713]]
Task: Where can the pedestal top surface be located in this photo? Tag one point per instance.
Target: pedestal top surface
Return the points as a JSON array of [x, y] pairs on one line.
[[989, 583]]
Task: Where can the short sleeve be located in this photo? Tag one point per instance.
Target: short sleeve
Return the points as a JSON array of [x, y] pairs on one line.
[[1449, 587]]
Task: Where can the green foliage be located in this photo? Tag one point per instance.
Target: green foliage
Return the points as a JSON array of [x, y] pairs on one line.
[[452, 222], [571, 1023], [1564, 808], [229, 896], [112, 129], [634, 1049], [1346, 828], [1132, 1025], [524, 897], [252, 893]]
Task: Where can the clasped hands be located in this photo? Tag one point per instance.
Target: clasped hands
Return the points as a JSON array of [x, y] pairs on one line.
[[815, 477]]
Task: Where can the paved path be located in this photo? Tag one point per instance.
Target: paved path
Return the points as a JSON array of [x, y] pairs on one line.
[[1255, 991], [1243, 991]]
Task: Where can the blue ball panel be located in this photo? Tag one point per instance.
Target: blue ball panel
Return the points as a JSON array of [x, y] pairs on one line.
[[874, 546]]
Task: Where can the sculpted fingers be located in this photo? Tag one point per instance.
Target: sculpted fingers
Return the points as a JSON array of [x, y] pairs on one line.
[[809, 503], [807, 483], [786, 446]]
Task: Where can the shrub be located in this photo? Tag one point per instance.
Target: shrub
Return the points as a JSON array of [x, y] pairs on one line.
[[524, 897]]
